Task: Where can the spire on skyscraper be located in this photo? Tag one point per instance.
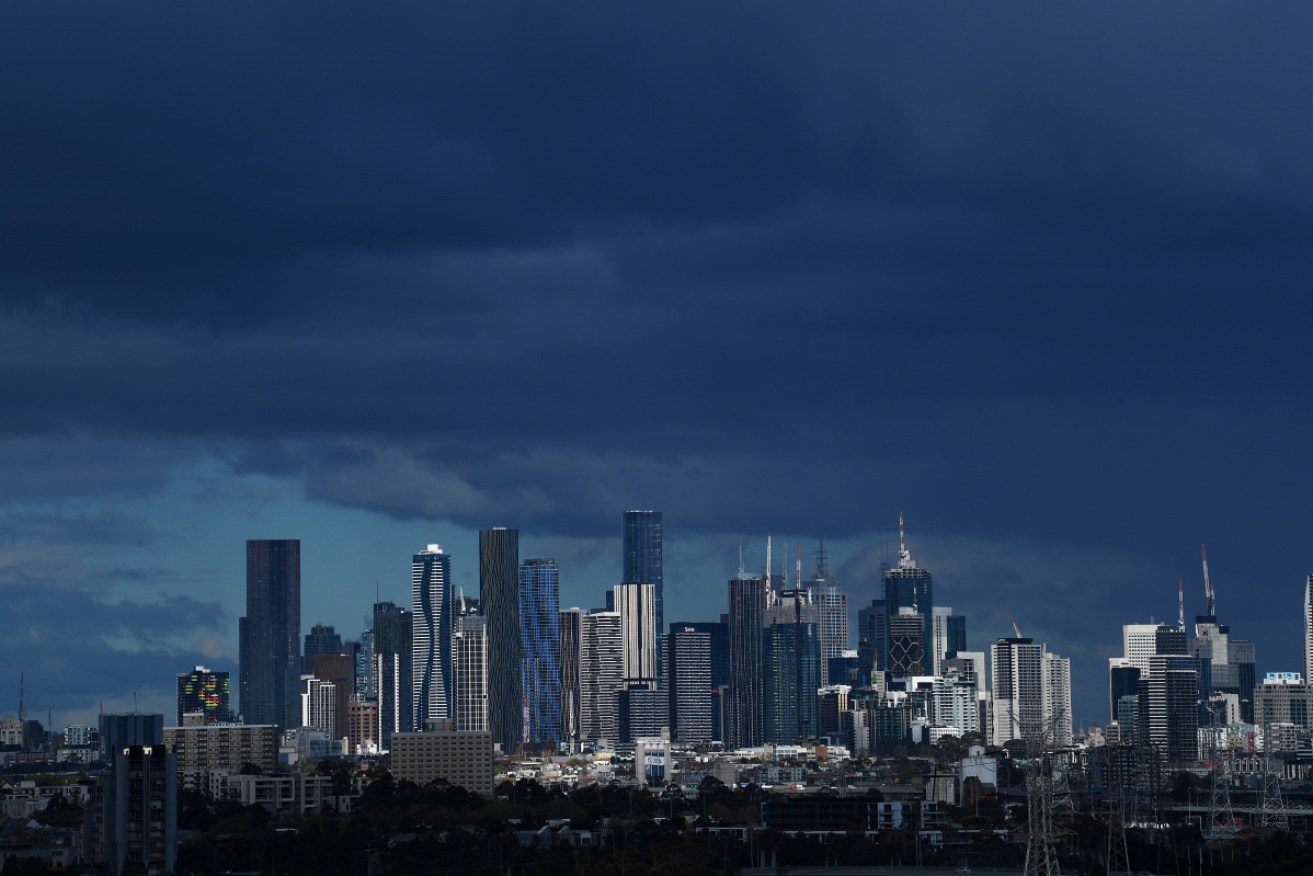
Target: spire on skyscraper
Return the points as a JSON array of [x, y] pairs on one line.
[[905, 560]]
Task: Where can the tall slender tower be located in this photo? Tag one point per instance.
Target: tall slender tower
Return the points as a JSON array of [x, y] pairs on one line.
[[499, 594], [1308, 630], [636, 605], [540, 649], [744, 713], [270, 634], [907, 585], [642, 560], [394, 636], [432, 605], [469, 665]]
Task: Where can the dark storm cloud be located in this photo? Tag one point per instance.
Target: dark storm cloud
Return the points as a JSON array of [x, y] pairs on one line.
[[446, 262]]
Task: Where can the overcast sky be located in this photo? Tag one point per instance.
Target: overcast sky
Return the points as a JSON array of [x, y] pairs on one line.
[[376, 277]]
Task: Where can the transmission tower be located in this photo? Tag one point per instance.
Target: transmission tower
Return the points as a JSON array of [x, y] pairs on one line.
[[1273, 806], [1119, 856], [1221, 819], [1041, 852]]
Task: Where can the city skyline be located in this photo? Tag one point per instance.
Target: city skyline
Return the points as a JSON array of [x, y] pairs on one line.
[[1035, 276]]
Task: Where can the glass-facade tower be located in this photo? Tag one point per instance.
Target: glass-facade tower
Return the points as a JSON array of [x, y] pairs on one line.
[[499, 594], [269, 682], [642, 559], [432, 605], [540, 647]]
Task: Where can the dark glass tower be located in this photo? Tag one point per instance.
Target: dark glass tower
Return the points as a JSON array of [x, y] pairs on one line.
[[540, 649], [270, 634], [394, 636], [907, 585], [320, 640], [499, 594], [688, 674], [792, 658], [642, 542], [747, 618], [433, 604]]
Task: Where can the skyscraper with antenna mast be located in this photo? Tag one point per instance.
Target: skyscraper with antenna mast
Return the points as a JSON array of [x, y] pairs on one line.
[[907, 585]]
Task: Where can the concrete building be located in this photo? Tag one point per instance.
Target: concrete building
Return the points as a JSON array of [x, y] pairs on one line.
[[601, 677], [461, 758], [206, 747], [469, 666], [636, 605], [362, 726], [319, 704], [139, 814]]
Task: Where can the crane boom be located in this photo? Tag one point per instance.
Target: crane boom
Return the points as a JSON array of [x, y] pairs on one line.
[[1208, 582], [1016, 629]]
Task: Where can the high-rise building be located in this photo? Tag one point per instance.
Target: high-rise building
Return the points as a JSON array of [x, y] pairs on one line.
[[205, 691], [873, 637], [339, 669], [688, 680], [1227, 664], [322, 639], [950, 636], [572, 644], [319, 705], [394, 633], [1308, 629], [1123, 681], [499, 594], [718, 632], [540, 647], [792, 657], [432, 603], [469, 666], [831, 612], [135, 728], [1169, 714], [636, 604], [747, 618], [1057, 698], [1139, 644], [907, 644], [140, 811], [601, 677], [270, 633], [642, 559], [1018, 688], [907, 585]]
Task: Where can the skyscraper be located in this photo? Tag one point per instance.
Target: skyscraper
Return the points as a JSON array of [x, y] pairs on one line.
[[718, 633], [688, 678], [320, 640], [270, 634], [636, 604], [791, 663], [642, 560], [540, 647], [1018, 687], [394, 632], [907, 585], [950, 636], [907, 644], [831, 611], [206, 691], [600, 677], [1308, 630], [747, 618], [469, 665], [1057, 698], [572, 643], [432, 604], [499, 594]]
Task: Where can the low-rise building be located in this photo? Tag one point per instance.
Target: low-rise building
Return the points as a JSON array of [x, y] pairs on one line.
[[459, 757], [200, 749]]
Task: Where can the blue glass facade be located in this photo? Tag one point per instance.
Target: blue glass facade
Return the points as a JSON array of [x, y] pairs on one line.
[[642, 560], [540, 646]]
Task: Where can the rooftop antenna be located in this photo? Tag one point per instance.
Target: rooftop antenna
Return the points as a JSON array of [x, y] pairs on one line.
[[904, 555], [740, 556], [799, 579], [822, 561], [1208, 582], [1180, 603], [768, 568]]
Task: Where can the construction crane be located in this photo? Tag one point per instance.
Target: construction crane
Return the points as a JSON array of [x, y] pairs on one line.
[[1180, 603], [1016, 629], [1208, 582]]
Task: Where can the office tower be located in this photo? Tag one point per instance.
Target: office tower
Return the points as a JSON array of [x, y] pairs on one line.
[[205, 691], [600, 677], [1283, 698], [1168, 707], [339, 670], [394, 634], [1226, 664], [1308, 629], [320, 640], [845, 669], [139, 827], [120, 731], [366, 684], [954, 703], [907, 585], [270, 633], [432, 602], [873, 637], [540, 647], [319, 705], [642, 712], [642, 560], [718, 631], [1018, 688], [747, 618], [499, 594], [831, 608], [362, 726], [792, 658], [688, 682], [950, 636], [572, 645], [1057, 698], [907, 644], [1123, 681], [469, 668], [636, 605], [1139, 644]]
